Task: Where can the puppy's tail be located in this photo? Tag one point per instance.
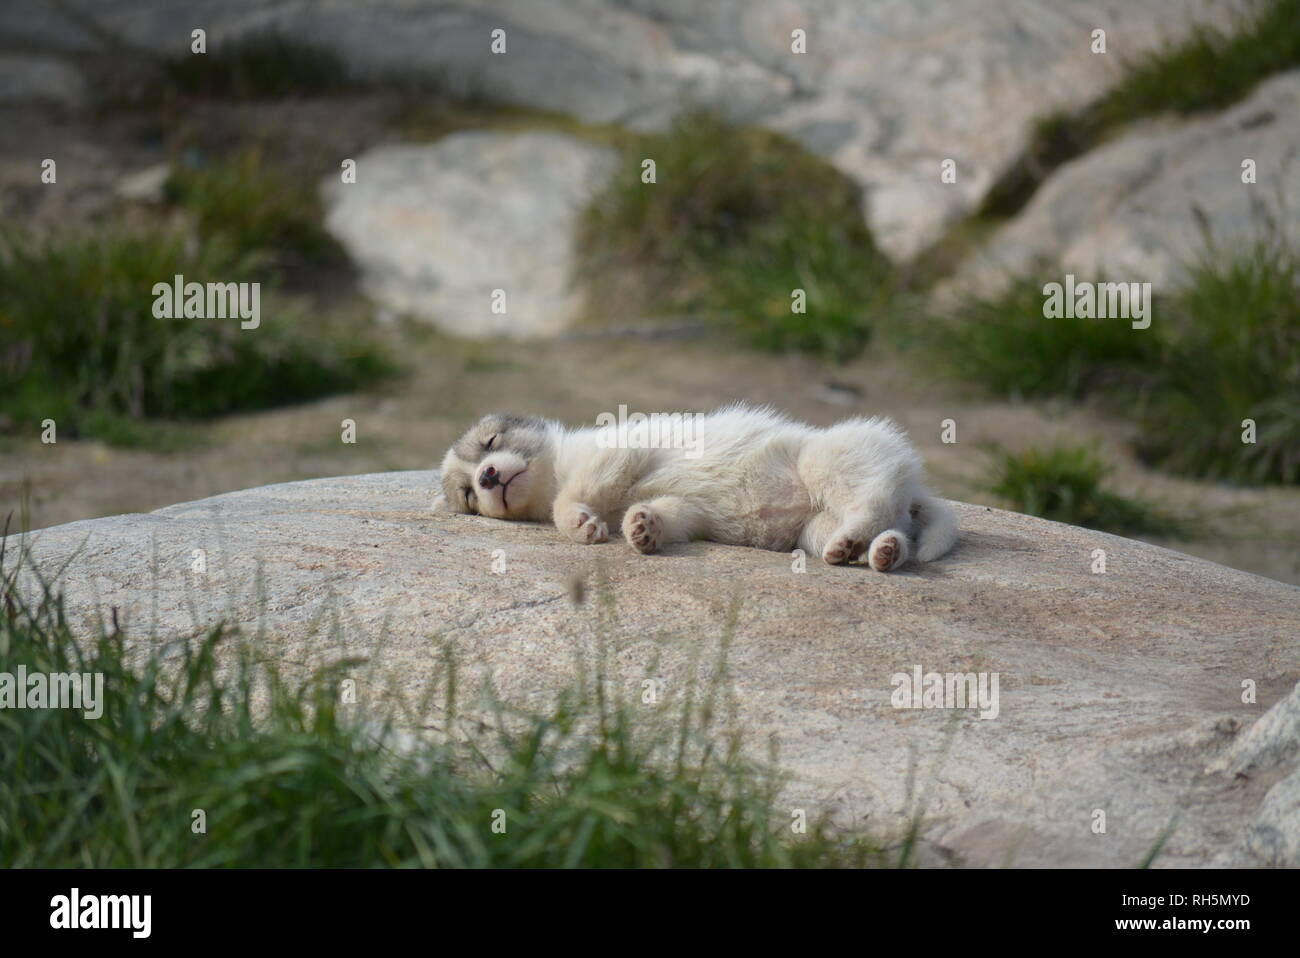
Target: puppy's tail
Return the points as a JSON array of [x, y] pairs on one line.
[[936, 527]]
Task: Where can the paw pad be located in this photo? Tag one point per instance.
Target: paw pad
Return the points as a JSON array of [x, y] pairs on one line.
[[886, 552], [642, 530], [590, 529], [843, 550]]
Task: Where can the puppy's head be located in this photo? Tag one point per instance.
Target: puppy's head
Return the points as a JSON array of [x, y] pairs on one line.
[[499, 468]]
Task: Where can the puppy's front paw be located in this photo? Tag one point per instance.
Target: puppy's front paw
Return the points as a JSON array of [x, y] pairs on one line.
[[591, 529], [641, 528], [581, 524], [842, 549], [888, 551]]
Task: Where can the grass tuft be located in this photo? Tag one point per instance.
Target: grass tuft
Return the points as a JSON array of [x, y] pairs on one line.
[[256, 208], [1230, 352], [1063, 482], [258, 66], [737, 220], [81, 345], [1223, 348], [1006, 344]]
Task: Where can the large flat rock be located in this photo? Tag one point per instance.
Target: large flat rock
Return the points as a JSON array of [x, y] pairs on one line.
[[1119, 692], [886, 89]]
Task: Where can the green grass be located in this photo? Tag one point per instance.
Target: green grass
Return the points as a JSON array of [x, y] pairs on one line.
[[1063, 482], [256, 208], [738, 218], [288, 779], [1006, 345], [257, 66], [81, 345], [1209, 70], [1223, 348], [1230, 352], [845, 298], [260, 66]]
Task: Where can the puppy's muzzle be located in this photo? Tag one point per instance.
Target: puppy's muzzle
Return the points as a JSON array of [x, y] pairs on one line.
[[489, 478]]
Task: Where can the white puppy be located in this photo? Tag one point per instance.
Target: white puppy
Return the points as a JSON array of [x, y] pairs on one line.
[[751, 477]]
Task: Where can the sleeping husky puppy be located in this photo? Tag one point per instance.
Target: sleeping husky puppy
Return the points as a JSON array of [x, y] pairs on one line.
[[755, 479]]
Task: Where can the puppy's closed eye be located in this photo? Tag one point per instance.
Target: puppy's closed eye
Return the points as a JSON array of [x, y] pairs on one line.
[[488, 445]]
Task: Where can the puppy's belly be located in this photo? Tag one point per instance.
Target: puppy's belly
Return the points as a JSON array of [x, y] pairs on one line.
[[758, 501], [772, 520]]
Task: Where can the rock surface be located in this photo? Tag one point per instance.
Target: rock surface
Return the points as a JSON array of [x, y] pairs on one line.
[[40, 79], [1120, 692], [436, 228], [886, 90], [1132, 210], [148, 185]]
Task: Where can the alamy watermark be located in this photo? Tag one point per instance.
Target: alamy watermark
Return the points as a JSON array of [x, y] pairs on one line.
[[130, 912], [179, 299], [658, 430], [946, 690], [53, 690], [1084, 300]]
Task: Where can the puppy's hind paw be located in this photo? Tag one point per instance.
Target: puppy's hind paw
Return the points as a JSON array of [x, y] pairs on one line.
[[888, 550], [641, 528]]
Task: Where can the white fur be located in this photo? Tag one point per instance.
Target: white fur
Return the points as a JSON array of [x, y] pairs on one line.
[[854, 490]]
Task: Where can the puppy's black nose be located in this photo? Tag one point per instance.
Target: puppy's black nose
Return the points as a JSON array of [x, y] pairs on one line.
[[488, 478]]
